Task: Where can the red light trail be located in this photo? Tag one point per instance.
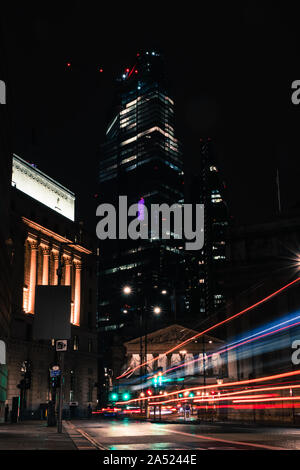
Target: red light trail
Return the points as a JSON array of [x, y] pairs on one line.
[[260, 302], [229, 348], [227, 384]]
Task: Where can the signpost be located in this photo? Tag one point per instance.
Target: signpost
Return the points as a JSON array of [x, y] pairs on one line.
[[52, 320], [61, 347]]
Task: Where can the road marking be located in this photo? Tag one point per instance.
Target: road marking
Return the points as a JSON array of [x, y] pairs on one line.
[[91, 439], [227, 441], [71, 429]]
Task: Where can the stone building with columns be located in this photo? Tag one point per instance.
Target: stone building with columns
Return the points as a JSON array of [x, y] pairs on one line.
[[44, 228], [198, 362]]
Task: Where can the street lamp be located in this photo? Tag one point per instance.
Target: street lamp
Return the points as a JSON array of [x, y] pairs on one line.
[[127, 290], [157, 310]]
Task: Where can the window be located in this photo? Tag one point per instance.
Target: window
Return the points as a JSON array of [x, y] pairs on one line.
[[90, 345]]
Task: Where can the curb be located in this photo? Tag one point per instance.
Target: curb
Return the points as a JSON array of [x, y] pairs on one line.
[[81, 439]]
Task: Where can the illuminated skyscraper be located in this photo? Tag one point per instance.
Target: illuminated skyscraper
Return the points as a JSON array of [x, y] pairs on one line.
[[142, 159]]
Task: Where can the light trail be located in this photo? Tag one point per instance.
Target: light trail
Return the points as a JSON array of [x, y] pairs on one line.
[[223, 322], [208, 387], [214, 399], [229, 395], [267, 399], [235, 345], [252, 407]]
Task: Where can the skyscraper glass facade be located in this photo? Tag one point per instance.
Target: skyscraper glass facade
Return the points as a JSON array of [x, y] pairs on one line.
[[142, 159]]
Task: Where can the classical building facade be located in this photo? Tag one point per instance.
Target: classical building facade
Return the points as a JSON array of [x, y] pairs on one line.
[[198, 362], [191, 354], [45, 241]]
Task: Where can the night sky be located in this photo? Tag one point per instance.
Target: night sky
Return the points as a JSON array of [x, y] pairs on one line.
[[230, 67]]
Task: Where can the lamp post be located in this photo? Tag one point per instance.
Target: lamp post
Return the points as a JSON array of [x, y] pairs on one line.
[[143, 332]]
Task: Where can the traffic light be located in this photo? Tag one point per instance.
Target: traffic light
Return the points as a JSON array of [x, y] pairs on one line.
[[21, 385], [160, 379], [114, 396], [25, 383], [55, 382], [27, 380], [126, 396], [157, 380]]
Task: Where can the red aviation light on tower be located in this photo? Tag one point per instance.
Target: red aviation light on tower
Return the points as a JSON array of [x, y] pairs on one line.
[[100, 70], [68, 64]]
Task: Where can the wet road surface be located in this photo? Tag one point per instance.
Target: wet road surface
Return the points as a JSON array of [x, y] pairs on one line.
[[129, 434]]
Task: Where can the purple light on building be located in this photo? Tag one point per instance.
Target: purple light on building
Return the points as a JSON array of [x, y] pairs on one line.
[[141, 212]]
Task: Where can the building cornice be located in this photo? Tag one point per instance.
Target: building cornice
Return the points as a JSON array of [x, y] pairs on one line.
[[59, 238]]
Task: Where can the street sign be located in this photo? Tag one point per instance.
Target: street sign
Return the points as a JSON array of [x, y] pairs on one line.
[[55, 373], [61, 345]]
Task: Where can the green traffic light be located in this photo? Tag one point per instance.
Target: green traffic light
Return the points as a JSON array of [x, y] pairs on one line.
[[114, 396], [126, 396]]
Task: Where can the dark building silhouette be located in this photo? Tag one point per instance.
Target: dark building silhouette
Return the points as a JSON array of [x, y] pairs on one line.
[[5, 241], [206, 284]]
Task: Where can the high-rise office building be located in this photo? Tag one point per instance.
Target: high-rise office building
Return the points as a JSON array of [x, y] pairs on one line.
[[142, 159], [208, 188]]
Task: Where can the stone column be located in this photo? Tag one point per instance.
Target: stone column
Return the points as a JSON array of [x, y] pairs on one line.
[[32, 278], [55, 278], [77, 294], [46, 255], [68, 270]]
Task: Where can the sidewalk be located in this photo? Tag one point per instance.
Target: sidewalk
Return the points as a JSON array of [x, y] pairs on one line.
[[34, 435]]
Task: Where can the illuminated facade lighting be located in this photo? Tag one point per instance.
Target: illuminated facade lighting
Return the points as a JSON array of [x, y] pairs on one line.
[[42, 188]]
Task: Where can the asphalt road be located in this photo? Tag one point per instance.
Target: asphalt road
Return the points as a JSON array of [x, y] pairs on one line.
[[126, 434]]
